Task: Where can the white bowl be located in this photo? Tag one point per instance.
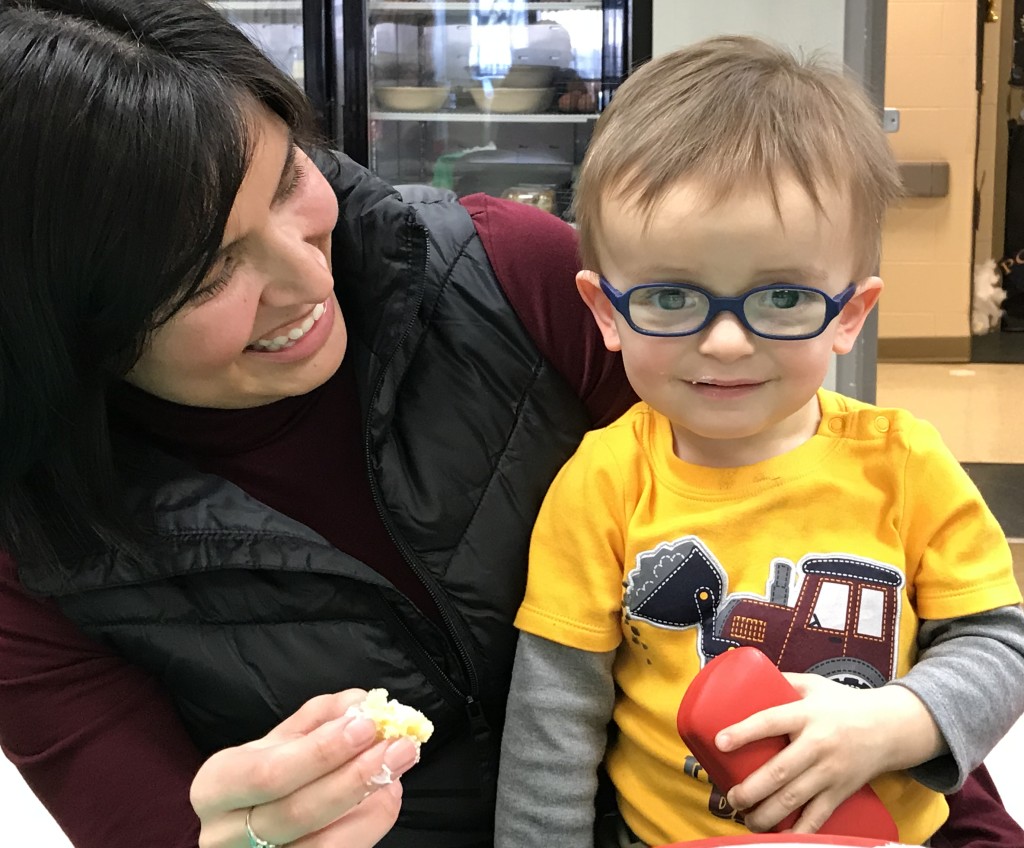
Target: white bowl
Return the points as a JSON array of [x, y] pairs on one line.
[[511, 100], [528, 76], [520, 76], [411, 98]]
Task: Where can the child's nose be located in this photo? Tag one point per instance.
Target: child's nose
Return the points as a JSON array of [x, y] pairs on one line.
[[726, 339]]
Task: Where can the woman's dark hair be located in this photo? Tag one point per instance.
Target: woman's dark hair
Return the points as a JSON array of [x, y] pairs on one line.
[[126, 132]]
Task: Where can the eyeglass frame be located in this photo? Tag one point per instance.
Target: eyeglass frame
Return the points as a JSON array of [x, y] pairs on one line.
[[733, 305]]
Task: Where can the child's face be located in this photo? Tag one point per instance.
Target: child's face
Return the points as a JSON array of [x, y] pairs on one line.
[[734, 398]]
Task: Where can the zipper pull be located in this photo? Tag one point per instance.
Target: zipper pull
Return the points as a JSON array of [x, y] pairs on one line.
[[478, 721], [486, 747]]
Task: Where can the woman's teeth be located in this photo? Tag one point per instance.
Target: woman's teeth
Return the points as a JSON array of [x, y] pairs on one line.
[[292, 336]]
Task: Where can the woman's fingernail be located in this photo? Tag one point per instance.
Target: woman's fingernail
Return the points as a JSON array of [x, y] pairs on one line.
[[400, 755], [360, 731]]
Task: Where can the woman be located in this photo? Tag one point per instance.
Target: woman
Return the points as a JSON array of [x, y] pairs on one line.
[[256, 454]]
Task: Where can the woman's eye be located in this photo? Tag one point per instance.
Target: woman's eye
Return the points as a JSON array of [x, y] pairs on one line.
[[298, 174], [217, 283]]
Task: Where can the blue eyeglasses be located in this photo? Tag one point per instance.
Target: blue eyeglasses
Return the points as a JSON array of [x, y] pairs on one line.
[[778, 311]]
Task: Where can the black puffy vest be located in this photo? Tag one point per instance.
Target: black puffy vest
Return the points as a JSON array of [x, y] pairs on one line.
[[244, 614]]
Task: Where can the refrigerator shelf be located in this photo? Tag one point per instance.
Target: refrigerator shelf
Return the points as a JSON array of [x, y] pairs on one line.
[[257, 5], [484, 117], [470, 6]]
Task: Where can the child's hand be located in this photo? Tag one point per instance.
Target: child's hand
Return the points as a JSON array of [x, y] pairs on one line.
[[840, 739]]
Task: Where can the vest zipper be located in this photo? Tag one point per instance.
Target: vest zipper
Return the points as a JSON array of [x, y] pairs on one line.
[[470, 699]]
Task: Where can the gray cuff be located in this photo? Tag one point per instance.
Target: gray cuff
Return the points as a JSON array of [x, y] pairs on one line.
[[970, 676]]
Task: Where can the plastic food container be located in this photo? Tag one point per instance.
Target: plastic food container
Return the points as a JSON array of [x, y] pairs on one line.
[[520, 76], [504, 100], [411, 98]]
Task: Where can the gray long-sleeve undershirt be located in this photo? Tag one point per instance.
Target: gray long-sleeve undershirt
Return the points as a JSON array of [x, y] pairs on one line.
[[969, 674]]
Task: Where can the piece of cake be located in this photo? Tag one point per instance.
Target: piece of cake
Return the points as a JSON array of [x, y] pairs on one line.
[[393, 719]]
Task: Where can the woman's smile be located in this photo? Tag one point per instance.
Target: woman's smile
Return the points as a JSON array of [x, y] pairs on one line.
[[287, 335], [299, 343]]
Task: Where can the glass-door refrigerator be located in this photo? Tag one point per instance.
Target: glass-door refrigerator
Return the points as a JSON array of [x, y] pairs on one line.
[[299, 37], [498, 96]]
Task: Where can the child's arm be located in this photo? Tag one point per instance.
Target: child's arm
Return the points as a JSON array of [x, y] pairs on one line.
[[970, 673], [555, 733], [970, 684]]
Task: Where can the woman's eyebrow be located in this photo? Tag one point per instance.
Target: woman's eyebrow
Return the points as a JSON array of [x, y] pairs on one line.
[[286, 171]]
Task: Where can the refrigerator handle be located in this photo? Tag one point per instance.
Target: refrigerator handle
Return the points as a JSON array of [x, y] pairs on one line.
[[318, 47], [641, 34], [353, 132]]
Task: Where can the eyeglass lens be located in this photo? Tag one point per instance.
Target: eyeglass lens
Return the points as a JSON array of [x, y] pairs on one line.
[[774, 312]]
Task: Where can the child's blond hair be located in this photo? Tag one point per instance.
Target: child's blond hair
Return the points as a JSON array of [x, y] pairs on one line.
[[736, 111]]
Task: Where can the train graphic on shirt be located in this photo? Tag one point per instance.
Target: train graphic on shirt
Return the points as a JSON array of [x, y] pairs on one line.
[[833, 614]]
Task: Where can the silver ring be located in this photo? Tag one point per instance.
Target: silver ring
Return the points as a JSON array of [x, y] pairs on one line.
[[254, 840]]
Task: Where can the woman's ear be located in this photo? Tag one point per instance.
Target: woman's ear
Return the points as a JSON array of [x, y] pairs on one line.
[[588, 284], [851, 320]]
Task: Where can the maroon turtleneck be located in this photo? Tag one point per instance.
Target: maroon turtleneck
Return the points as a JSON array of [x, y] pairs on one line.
[[301, 456]]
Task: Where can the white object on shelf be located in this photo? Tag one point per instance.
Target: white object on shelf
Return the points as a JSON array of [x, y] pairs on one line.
[[257, 5], [412, 98], [486, 117], [506, 101], [464, 6], [521, 76]]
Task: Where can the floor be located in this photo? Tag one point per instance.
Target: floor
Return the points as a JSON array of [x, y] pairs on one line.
[[1000, 347], [974, 406]]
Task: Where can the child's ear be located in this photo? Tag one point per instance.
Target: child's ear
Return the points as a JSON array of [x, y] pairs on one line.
[[588, 284], [851, 320]]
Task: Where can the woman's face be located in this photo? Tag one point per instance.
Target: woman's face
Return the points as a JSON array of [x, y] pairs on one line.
[[265, 323]]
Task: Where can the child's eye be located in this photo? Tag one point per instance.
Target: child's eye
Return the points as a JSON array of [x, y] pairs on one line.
[[785, 298], [673, 299]]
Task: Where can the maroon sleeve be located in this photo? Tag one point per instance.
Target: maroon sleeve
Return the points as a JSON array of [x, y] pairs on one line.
[[95, 739], [534, 256], [977, 817]]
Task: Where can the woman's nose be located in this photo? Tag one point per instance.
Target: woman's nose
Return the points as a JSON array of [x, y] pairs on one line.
[[298, 272], [726, 339], [298, 266]]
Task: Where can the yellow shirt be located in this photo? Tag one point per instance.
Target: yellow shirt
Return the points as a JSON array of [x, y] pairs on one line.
[[824, 558]]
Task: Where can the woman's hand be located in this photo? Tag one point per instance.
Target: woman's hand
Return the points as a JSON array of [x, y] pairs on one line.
[[318, 779], [840, 738]]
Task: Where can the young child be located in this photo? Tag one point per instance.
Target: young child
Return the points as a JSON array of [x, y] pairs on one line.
[[730, 209]]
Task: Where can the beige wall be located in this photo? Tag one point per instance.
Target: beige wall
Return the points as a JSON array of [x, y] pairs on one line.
[[927, 242]]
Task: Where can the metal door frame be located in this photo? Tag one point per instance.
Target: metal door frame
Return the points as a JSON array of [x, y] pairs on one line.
[[864, 54]]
